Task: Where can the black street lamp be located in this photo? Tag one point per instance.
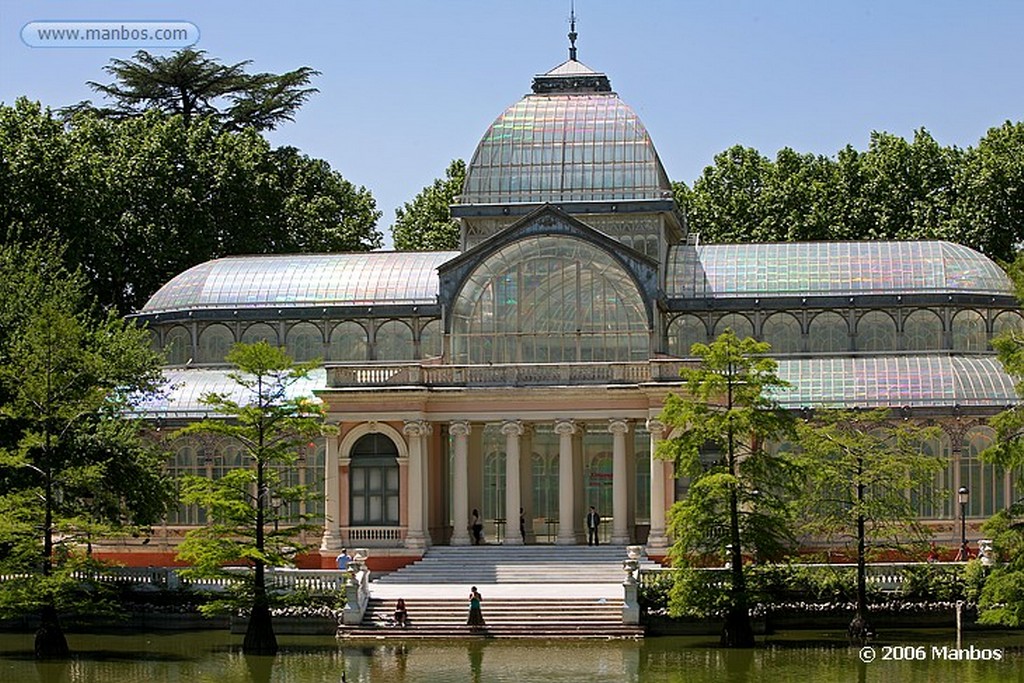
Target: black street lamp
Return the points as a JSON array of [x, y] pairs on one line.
[[961, 497]]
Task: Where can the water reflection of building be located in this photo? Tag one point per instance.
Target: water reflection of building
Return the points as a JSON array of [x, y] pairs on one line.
[[528, 368]]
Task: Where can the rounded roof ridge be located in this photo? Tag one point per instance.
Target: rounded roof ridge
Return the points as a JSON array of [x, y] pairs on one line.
[[831, 268], [290, 280]]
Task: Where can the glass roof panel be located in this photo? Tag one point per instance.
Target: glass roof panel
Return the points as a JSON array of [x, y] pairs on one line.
[[565, 147], [185, 388], [895, 381], [830, 268], [304, 280]]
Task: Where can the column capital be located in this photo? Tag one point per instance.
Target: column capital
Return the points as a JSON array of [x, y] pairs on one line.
[[513, 428], [656, 427], [460, 428], [565, 427], [416, 428], [617, 426]]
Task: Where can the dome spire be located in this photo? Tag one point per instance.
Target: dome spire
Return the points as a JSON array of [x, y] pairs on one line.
[[572, 31]]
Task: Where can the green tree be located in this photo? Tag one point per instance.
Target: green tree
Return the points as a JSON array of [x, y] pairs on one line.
[[1002, 597], [426, 223], [858, 470], [193, 85], [736, 497], [989, 212], [73, 464], [270, 424], [149, 190]]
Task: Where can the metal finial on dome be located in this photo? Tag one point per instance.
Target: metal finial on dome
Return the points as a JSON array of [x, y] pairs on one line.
[[572, 31]]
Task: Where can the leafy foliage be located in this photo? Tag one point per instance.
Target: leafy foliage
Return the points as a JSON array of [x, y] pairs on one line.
[[152, 190], [426, 223], [194, 86], [73, 464], [896, 189], [271, 426], [736, 500]]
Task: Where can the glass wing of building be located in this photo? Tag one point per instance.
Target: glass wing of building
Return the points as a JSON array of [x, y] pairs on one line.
[[830, 268], [304, 280]]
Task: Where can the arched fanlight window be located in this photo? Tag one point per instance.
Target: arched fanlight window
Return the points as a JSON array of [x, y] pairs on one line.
[[304, 342], [393, 341], [969, 332], [260, 332], [348, 342], [922, 331], [782, 331], [738, 323], [828, 333], [876, 331], [178, 346], [214, 343], [684, 332]]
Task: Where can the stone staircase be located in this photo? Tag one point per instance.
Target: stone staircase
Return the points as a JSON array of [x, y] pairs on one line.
[[495, 564], [505, 617], [528, 592]]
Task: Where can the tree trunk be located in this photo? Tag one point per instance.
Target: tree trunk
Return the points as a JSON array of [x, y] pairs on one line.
[[259, 636], [738, 631], [860, 630], [50, 641]]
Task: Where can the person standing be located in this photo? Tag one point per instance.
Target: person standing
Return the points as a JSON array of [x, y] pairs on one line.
[[593, 524], [477, 527], [476, 616], [522, 525], [343, 560]]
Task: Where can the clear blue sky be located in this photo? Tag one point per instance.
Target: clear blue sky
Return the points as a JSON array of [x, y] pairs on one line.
[[408, 85]]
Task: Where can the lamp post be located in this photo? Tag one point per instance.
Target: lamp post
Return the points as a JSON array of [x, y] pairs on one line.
[[961, 497]]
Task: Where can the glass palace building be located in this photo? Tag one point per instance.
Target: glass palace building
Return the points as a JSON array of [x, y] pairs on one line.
[[528, 369]]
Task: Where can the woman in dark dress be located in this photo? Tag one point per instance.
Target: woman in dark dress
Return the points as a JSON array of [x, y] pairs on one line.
[[476, 617]]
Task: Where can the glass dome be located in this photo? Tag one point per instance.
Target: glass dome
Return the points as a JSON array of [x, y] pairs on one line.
[[571, 140]]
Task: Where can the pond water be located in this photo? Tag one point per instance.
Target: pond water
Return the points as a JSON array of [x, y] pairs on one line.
[[213, 656]]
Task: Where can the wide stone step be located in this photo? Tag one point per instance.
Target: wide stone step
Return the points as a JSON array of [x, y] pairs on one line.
[[506, 564]]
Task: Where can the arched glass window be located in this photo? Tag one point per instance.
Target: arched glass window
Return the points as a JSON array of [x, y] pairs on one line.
[[782, 331], [598, 477], [430, 340], [876, 331], [373, 481], [304, 342], [545, 486], [494, 486], [178, 346], [934, 500], [642, 450], [260, 332], [549, 299], [828, 333], [985, 482], [922, 331], [188, 460], [393, 341], [739, 324], [1007, 321], [684, 332], [214, 343], [348, 342], [969, 332]]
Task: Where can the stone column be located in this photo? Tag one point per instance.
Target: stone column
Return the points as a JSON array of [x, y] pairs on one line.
[[566, 483], [657, 538], [620, 487], [416, 536], [513, 431], [460, 430], [331, 539]]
